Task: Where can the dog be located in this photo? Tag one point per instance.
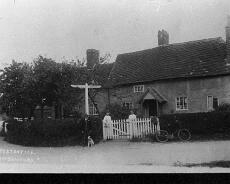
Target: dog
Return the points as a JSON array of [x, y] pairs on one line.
[[90, 141]]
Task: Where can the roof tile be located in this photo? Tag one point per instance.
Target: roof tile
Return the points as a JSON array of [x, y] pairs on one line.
[[198, 58]]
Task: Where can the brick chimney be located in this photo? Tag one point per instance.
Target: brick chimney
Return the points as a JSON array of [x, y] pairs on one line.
[[227, 30], [92, 57], [163, 37]]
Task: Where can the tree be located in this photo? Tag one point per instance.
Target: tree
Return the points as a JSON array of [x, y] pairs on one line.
[[45, 73], [105, 58], [67, 97], [53, 83], [46, 83], [16, 88], [99, 74]]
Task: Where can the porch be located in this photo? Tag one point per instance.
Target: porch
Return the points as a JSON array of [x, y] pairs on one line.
[[152, 103]]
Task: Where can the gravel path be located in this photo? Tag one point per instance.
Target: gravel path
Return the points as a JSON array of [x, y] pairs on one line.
[[114, 157]]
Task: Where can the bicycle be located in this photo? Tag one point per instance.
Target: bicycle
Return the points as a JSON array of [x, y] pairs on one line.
[[182, 134]]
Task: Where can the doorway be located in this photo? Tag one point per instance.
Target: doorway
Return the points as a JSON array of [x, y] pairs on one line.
[[151, 107]]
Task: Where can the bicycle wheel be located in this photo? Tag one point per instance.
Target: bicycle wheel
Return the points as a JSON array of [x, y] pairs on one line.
[[162, 136], [184, 135]]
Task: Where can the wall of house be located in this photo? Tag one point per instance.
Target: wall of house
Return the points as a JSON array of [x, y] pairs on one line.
[[101, 99], [196, 90]]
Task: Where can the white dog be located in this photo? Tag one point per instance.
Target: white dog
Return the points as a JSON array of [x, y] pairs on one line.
[[90, 141]]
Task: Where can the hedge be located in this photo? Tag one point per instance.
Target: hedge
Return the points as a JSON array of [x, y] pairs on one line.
[[116, 111], [71, 131], [198, 123], [52, 132]]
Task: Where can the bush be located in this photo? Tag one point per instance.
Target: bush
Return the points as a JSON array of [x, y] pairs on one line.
[[224, 107], [198, 123], [51, 132], [117, 111], [41, 133]]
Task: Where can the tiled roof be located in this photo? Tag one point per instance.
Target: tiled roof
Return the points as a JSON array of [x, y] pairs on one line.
[[100, 74], [199, 58]]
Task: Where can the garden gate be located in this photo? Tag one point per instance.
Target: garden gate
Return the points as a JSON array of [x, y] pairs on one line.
[[125, 129]]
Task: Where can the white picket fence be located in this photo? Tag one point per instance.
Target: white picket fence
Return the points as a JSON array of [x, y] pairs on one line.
[[125, 129]]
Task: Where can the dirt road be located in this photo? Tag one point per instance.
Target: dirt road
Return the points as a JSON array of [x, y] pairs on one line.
[[114, 157]]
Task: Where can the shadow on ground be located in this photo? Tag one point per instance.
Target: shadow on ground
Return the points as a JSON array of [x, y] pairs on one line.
[[222, 163]]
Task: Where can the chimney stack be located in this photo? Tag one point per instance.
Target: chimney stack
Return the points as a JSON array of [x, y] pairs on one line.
[[227, 30], [92, 57], [163, 37]]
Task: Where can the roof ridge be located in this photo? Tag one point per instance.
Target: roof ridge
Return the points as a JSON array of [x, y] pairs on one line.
[[172, 44], [192, 41]]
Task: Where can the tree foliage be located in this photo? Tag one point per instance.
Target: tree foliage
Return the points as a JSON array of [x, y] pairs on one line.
[[43, 83], [16, 87]]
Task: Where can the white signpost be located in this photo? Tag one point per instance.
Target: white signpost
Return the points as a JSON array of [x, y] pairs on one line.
[[86, 87]]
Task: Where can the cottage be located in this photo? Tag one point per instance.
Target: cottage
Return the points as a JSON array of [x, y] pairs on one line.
[[183, 77]]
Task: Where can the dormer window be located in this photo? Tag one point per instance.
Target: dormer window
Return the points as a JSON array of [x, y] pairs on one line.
[[138, 88]]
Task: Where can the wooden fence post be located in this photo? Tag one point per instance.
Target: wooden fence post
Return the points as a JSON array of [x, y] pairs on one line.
[[130, 129], [104, 130]]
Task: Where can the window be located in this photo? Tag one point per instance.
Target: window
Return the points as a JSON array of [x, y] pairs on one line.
[[212, 103], [92, 109], [138, 88], [127, 105], [76, 108], [181, 103]]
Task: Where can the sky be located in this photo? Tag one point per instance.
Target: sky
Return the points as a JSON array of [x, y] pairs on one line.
[[66, 28]]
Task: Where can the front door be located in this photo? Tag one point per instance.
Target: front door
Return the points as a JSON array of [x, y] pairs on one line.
[[151, 108]]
